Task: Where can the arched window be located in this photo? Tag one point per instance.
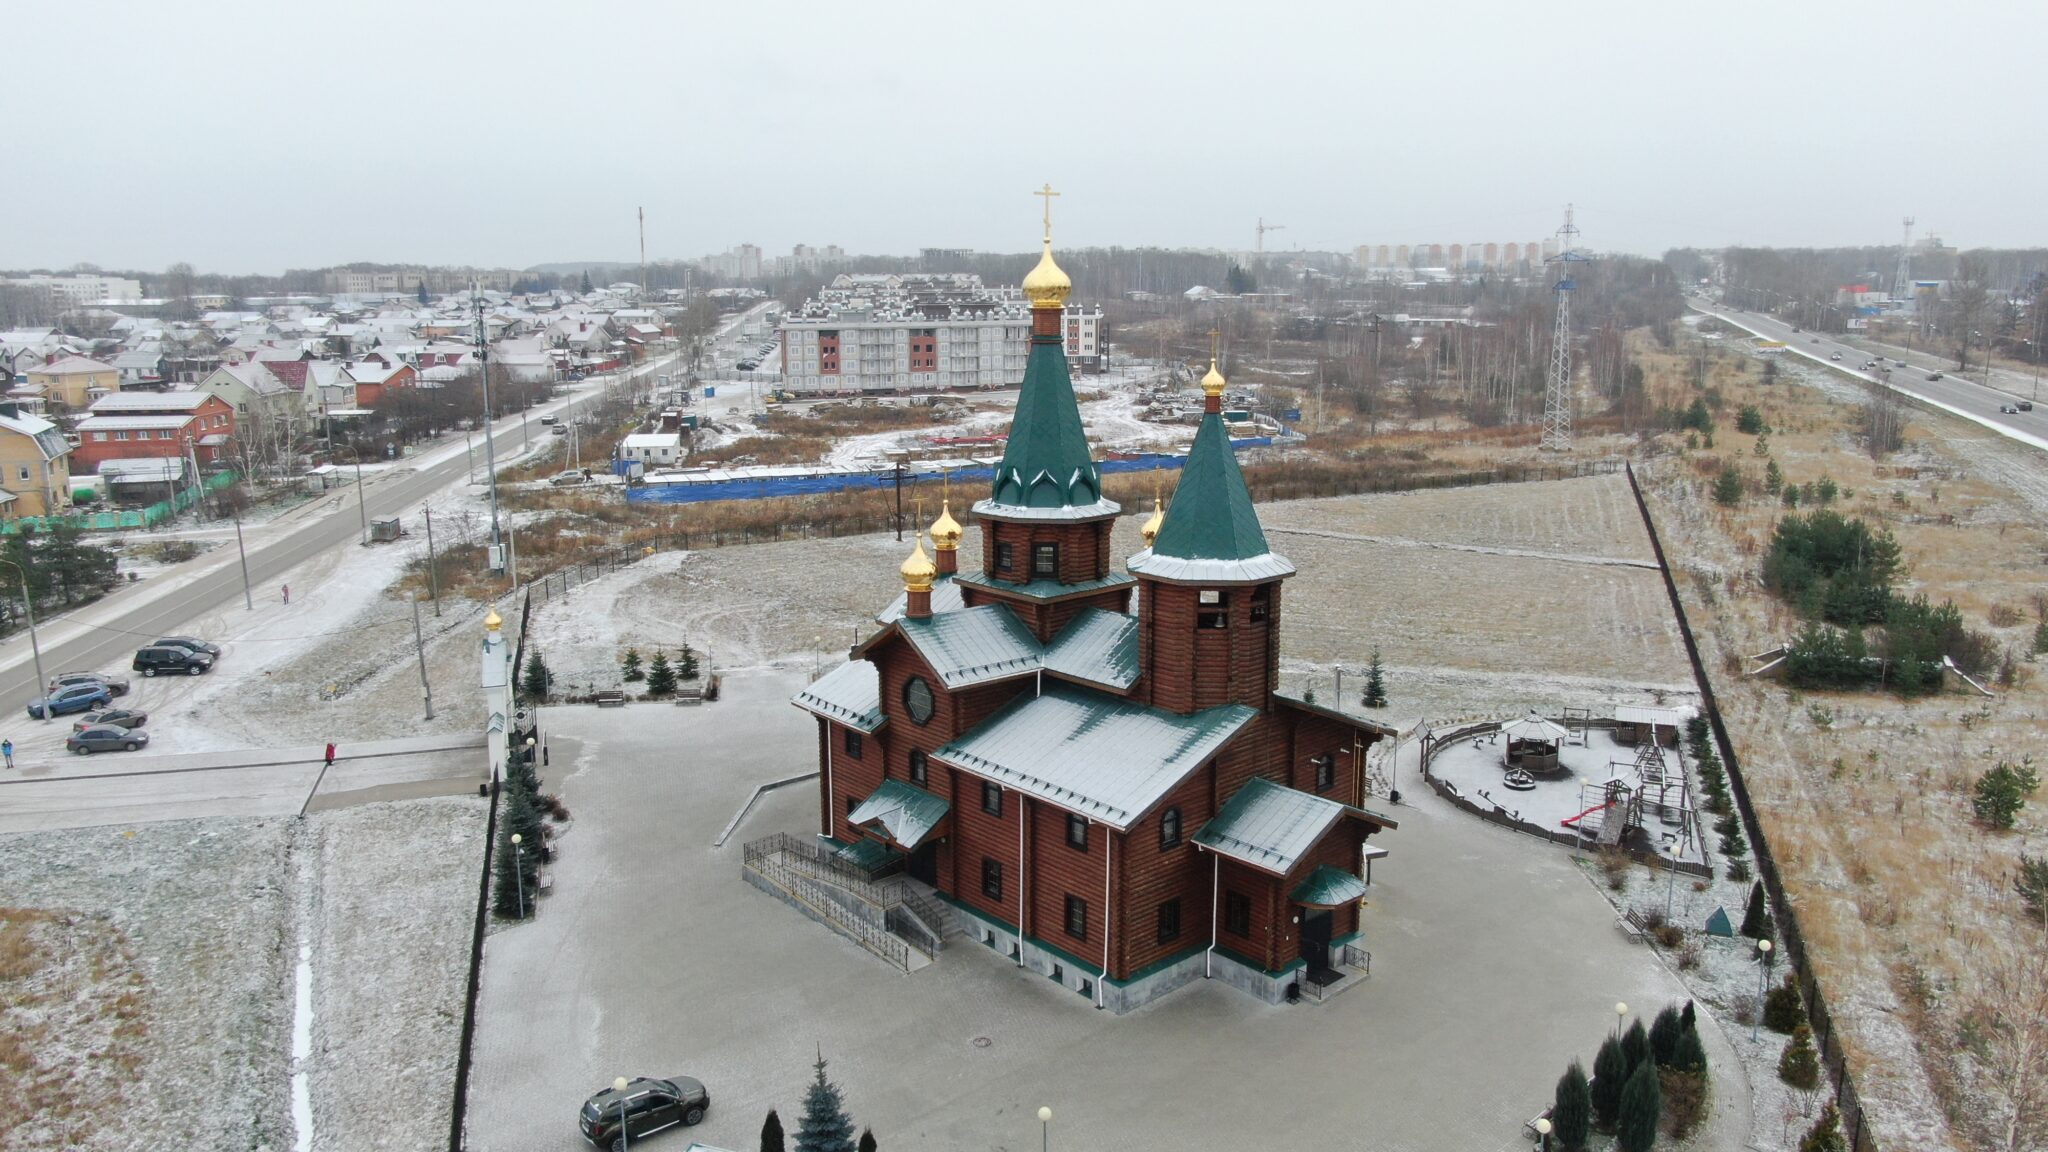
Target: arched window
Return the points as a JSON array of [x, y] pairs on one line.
[[1169, 828]]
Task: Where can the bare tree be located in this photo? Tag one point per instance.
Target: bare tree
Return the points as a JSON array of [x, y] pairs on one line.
[[2013, 1006], [1969, 302], [1884, 423]]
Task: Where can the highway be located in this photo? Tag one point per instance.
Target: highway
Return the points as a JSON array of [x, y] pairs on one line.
[[1965, 398]]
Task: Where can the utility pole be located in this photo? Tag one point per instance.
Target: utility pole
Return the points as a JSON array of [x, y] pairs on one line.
[[248, 597], [419, 646], [483, 360], [433, 576], [362, 505], [643, 254]]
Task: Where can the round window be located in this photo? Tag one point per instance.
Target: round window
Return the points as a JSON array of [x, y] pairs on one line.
[[917, 697]]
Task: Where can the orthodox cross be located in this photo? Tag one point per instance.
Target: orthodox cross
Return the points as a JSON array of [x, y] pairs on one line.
[[1048, 193]]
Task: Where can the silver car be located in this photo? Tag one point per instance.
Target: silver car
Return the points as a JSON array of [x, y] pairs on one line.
[[105, 738]]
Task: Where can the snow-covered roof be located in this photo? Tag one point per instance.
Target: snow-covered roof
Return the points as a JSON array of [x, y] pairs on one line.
[[70, 366], [114, 403], [850, 694], [132, 423], [49, 442], [1271, 827]]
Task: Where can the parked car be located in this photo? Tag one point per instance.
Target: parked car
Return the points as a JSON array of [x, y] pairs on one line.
[[1835, 356], [162, 659], [71, 698], [570, 476], [2008, 410], [115, 685], [105, 738], [559, 430], [192, 642], [2026, 405], [1934, 375], [650, 1106], [111, 718]]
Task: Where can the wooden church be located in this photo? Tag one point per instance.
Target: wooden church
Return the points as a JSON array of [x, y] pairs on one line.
[[1094, 768]]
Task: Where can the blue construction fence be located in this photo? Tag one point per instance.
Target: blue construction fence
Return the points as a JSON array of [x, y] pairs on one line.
[[115, 520], [765, 487]]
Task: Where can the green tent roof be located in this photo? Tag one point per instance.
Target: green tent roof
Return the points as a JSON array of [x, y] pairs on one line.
[[1211, 517], [1327, 887], [1046, 464]]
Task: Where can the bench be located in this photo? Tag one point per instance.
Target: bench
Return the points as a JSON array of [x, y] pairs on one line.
[[689, 695], [1633, 925], [612, 698]]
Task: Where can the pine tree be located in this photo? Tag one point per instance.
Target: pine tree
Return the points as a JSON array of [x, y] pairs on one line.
[[585, 289], [2041, 638], [867, 1140], [1571, 1109], [1826, 1133], [1800, 1066], [1756, 923], [423, 294], [686, 667], [1664, 1033], [1375, 683], [1690, 1056], [1728, 486], [771, 1133], [537, 678], [629, 668], [1642, 1102], [825, 1126], [1781, 1007], [1635, 1045], [1610, 1075], [661, 679]]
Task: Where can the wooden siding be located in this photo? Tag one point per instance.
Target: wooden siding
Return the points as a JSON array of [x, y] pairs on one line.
[[1151, 875], [1189, 668], [1261, 889]]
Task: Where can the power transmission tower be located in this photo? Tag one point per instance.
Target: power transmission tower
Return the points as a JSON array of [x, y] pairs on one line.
[[1557, 392], [1902, 280]]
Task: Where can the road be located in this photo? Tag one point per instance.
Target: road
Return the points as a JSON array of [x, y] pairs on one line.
[[1965, 398]]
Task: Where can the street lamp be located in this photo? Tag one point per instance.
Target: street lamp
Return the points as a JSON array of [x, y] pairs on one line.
[[817, 655], [519, 873], [1044, 1128], [1763, 975], [1543, 1131], [619, 1086], [34, 645], [1671, 851]]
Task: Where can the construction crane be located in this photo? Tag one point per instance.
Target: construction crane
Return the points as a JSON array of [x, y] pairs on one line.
[[1263, 229], [1557, 391]]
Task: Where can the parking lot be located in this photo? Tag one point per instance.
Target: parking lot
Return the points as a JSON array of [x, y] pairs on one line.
[[1493, 962]]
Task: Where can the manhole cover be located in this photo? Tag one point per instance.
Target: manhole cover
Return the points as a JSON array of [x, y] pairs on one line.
[[982, 1041]]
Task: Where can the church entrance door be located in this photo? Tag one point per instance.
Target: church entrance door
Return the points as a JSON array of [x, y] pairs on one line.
[[1315, 940], [924, 864]]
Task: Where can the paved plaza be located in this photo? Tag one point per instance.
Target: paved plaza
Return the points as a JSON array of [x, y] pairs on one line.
[[1494, 961]]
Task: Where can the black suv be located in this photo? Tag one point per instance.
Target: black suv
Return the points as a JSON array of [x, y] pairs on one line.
[[192, 642], [650, 1106], [163, 659]]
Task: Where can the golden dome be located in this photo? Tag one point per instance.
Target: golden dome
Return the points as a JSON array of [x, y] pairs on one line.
[[918, 572], [1212, 384], [1150, 531], [946, 530], [1047, 286], [493, 622]]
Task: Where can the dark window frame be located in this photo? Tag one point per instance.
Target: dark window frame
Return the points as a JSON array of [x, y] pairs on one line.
[[1237, 914], [852, 744], [1262, 603], [1006, 555], [1077, 832], [991, 877], [1169, 920], [852, 802], [920, 768], [1076, 919], [1212, 609], [1326, 771], [1045, 560], [992, 798], [1169, 829], [910, 709]]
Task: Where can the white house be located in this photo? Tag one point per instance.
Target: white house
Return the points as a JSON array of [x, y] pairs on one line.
[[654, 449]]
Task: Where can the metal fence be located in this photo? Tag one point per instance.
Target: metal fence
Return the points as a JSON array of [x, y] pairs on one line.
[[1833, 1056], [126, 518], [836, 903], [459, 1114]]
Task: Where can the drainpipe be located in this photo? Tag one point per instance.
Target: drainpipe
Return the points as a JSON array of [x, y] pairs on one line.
[[830, 799], [1215, 888], [1020, 878], [1108, 853]]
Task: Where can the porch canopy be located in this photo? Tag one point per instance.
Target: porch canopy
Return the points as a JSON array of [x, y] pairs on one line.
[[1327, 887], [904, 813]]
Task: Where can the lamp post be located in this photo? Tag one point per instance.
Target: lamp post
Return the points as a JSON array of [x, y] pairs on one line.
[[817, 655], [1044, 1128], [1763, 976], [1671, 850], [1543, 1127], [519, 873], [35, 646], [619, 1086]]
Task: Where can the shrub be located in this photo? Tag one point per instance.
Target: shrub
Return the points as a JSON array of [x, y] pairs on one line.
[[1610, 1075], [1750, 420], [1781, 1007], [1571, 1109], [1831, 567], [1756, 922], [1642, 1103], [2041, 638], [2031, 882], [1668, 935], [1826, 1133], [1664, 1033], [1728, 486], [1685, 1101], [2000, 793], [1689, 1055], [1635, 1045], [1800, 1065]]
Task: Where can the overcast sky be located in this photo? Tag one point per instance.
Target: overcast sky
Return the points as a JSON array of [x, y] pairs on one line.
[[251, 138]]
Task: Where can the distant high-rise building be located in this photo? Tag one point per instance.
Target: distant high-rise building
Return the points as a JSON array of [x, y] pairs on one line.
[[79, 291]]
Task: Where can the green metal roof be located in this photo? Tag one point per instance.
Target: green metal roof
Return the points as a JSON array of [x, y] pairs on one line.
[[1039, 589], [905, 811], [1269, 826], [1098, 646], [1046, 464], [974, 645], [850, 694], [1091, 753], [872, 855], [1327, 887], [1211, 517]]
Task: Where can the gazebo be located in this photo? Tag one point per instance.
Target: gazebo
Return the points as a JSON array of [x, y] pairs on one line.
[[1532, 744]]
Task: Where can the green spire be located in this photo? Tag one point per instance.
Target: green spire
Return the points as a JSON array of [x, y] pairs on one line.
[[1211, 517], [1046, 463]]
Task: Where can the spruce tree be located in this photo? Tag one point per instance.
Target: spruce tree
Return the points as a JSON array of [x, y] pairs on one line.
[[1800, 1065], [825, 1126], [1689, 1017], [1690, 1055], [661, 678], [2041, 638], [537, 678], [1642, 1103], [771, 1133], [686, 666], [1826, 1133], [1664, 1032], [867, 1140], [1781, 1007], [522, 817], [1571, 1109], [1756, 923], [629, 668], [1728, 486], [1635, 1045], [512, 877], [1375, 683], [1610, 1075]]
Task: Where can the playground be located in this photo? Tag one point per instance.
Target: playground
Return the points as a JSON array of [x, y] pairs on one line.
[[1611, 777]]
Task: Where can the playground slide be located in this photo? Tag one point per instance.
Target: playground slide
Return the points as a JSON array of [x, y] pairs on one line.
[[1573, 821]]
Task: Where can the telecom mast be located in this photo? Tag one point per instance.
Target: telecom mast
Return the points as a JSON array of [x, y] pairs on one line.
[[1902, 280], [1557, 392]]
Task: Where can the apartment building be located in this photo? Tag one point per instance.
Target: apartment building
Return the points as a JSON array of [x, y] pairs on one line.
[[919, 332]]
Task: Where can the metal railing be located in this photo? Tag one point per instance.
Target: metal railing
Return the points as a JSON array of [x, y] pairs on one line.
[[819, 898]]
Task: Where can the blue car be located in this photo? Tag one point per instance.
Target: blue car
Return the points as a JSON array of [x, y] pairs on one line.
[[72, 698]]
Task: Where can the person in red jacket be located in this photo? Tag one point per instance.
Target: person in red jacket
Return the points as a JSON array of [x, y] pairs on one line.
[[330, 754]]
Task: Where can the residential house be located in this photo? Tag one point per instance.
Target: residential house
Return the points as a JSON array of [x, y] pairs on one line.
[[269, 410], [374, 376], [35, 465], [74, 381], [133, 425], [141, 367], [652, 449]]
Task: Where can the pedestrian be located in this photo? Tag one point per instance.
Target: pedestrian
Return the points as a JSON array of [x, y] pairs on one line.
[[7, 750], [330, 754], [287, 593]]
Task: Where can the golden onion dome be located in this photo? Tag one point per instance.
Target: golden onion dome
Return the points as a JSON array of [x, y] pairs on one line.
[[1150, 530], [1212, 384], [493, 622], [918, 571], [946, 531], [1047, 285]]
